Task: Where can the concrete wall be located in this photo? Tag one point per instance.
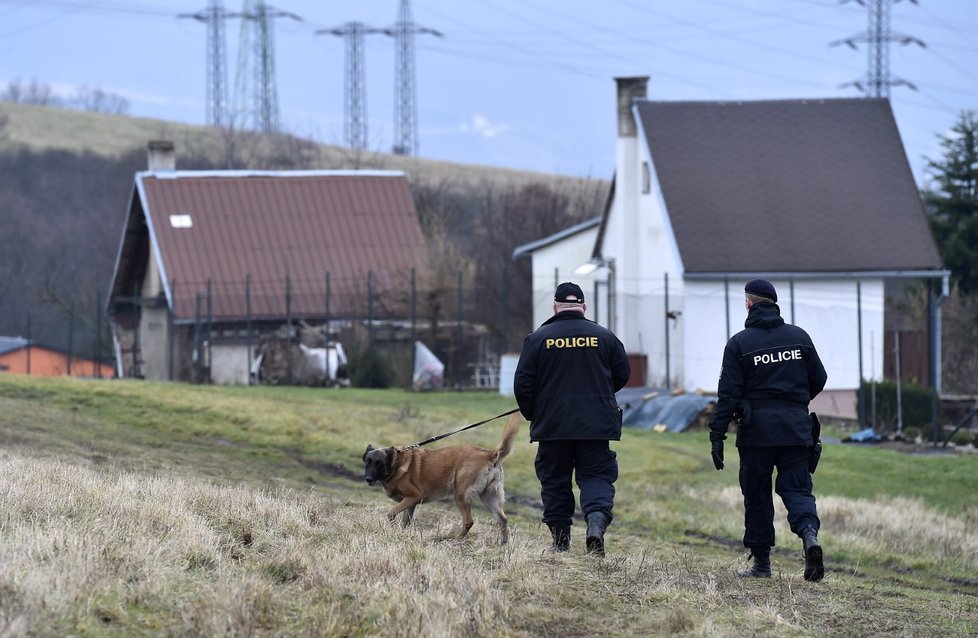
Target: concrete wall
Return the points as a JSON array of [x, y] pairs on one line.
[[229, 364]]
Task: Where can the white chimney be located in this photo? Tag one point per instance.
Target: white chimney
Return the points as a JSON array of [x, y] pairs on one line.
[[161, 155], [629, 89], [623, 232]]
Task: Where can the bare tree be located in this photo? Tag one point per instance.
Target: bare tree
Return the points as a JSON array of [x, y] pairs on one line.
[[99, 101]]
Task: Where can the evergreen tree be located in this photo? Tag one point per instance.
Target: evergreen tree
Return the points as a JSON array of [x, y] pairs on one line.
[[954, 204]]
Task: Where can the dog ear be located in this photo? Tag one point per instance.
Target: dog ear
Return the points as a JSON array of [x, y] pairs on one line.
[[390, 456], [369, 448]]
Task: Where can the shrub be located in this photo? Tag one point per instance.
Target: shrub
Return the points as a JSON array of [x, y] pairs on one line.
[[962, 437], [916, 400], [369, 368]]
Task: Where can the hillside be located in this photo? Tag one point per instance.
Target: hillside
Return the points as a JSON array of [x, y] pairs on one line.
[[42, 128], [157, 509]]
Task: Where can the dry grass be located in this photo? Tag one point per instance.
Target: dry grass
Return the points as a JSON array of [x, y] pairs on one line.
[[179, 544], [91, 551]]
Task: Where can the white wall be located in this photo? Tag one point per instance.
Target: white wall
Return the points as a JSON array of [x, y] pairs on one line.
[[562, 258], [229, 364], [825, 309]]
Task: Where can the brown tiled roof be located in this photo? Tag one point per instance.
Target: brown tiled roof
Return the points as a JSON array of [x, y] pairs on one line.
[[787, 186], [270, 227]]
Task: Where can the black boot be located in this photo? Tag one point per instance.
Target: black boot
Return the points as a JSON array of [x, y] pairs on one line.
[[597, 523], [561, 536], [762, 564], [814, 568]]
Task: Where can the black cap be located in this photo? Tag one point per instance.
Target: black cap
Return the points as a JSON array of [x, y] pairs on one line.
[[761, 288], [568, 292]]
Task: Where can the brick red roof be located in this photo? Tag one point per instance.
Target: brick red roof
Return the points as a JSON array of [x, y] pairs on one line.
[[226, 226]]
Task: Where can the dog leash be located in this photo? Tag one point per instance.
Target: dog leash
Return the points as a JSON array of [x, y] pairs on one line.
[[448, 434]]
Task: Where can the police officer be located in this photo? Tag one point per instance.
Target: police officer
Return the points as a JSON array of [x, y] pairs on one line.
[[565, 384], [770, 372]]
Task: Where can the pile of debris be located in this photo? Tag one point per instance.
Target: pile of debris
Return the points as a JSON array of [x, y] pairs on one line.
[[300, 355]]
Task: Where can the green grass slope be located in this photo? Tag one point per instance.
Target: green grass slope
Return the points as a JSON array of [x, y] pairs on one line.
[[135, 508]]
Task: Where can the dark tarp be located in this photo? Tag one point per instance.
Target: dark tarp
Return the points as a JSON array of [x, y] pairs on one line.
[[648, 407]]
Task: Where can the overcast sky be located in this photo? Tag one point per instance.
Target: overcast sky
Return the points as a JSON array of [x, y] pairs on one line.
[[515, 83]]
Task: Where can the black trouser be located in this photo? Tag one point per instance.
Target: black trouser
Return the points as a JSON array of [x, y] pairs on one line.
[[593, 464], [793, 485]]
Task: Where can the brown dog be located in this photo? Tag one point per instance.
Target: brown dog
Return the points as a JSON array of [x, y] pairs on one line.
[[413, 476]]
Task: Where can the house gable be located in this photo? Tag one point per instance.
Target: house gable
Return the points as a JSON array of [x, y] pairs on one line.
[[787, 186]]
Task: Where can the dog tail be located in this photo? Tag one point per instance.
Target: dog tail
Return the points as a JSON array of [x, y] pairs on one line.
[[509, 437]]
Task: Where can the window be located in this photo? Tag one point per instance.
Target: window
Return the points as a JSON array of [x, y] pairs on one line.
[[181, 221], [646, 178]]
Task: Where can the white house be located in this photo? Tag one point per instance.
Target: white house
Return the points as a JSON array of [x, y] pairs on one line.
[[815, 195]]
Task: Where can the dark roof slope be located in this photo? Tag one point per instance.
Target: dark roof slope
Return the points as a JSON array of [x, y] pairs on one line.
[[788, 186], [225, 226]]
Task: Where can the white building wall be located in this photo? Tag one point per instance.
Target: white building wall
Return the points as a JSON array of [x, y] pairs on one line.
[[825, 309], [556, 263]]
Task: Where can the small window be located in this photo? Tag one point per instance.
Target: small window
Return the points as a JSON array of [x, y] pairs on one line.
[[181, 221], [646, 178]]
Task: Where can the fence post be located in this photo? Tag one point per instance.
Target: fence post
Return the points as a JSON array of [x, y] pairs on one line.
[[210, 328], [370, 308], [248, 337], [98, 335], [135, 329], [326, 335], [288, 325], [726, 302], [859, 342], [71, 335], [505, 307], [329, 313], [791, 287], [30, 343], [594, 302], [198, 374], [666, 301], [458, 335], [414, 323], [171, 329]]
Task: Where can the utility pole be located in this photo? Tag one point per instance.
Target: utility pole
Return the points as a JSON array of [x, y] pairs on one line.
[[256, 56], [354, 88], [878, 37], [405, 85], [217, 82]]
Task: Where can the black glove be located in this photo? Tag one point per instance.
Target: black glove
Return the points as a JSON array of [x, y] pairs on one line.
[[717, 452]]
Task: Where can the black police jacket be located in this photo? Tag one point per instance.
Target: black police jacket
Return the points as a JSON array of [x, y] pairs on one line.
[[566, 379], [770, 372]]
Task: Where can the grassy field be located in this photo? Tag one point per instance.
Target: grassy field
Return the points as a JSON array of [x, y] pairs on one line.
[[156, 509]]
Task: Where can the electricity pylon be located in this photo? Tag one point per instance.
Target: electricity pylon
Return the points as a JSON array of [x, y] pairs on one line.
[[256, 58], [878, 37], [354, 87], [217, 81], [405, 84]]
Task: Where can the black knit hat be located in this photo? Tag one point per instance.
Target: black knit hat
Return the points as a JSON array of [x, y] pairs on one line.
[[762, 288], [568, 292]]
